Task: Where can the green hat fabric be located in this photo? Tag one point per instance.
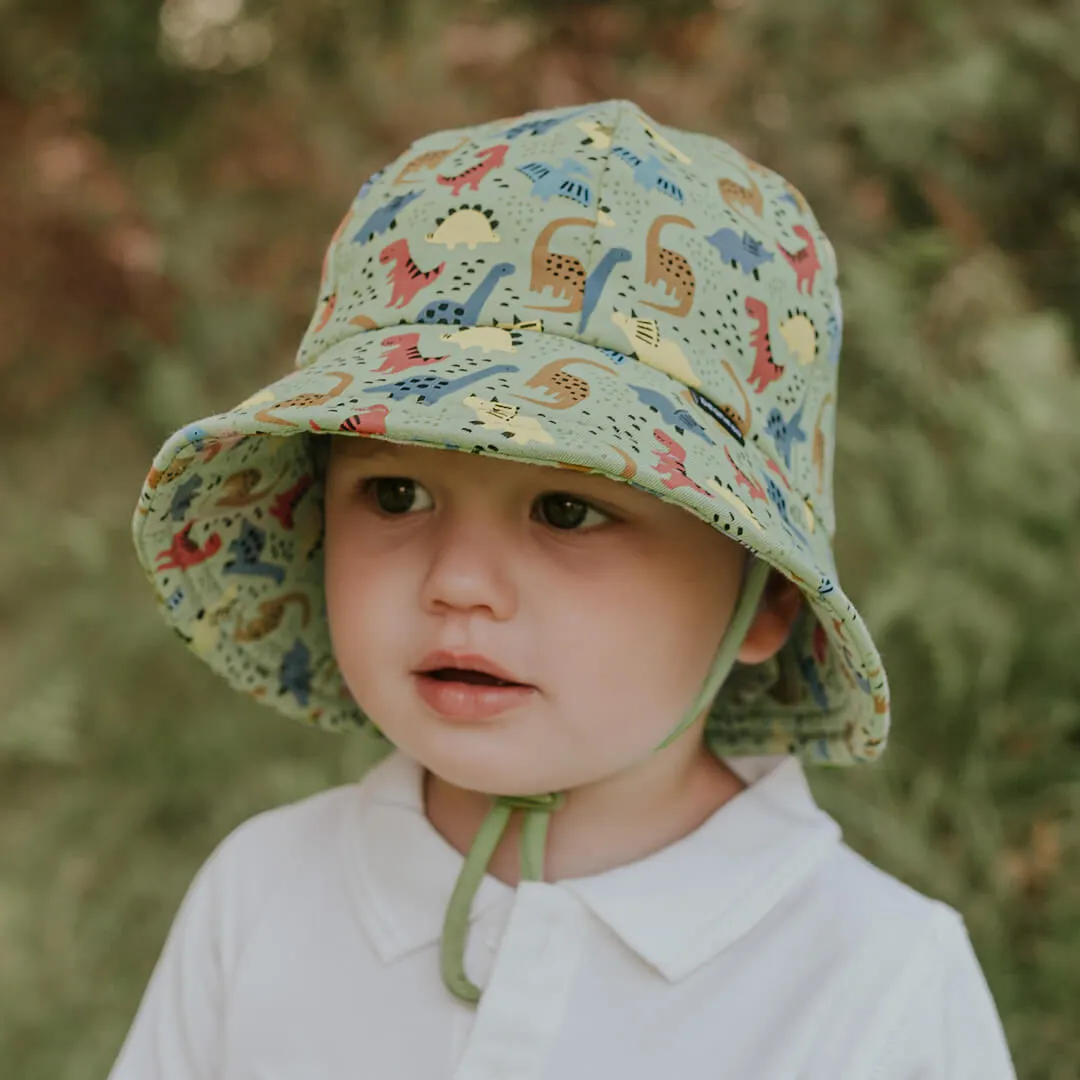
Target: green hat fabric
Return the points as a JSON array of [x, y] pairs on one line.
[[582, 286]]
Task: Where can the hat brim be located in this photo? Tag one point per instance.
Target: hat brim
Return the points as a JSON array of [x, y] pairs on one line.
[[229, 523]]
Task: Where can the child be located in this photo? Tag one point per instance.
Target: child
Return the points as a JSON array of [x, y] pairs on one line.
[[617, 613]]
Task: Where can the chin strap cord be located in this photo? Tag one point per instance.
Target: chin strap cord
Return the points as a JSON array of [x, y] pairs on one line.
[[538, 808]]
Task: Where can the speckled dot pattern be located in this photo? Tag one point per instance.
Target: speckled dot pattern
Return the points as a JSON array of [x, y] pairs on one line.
[[581, 287]]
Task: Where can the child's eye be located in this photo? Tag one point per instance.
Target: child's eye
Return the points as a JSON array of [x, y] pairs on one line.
[[395, 494], [564, 511]]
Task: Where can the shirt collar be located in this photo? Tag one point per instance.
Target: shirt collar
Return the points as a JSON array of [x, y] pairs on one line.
[[676, 908]]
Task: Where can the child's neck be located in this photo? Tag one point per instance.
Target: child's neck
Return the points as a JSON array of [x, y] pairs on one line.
[[603, 825]]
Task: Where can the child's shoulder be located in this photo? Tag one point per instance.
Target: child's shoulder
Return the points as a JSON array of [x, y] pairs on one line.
[[864, 916], [287, 828], [276, 844]]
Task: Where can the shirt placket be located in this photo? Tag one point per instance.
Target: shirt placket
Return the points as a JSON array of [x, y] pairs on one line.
[[524, 1000]]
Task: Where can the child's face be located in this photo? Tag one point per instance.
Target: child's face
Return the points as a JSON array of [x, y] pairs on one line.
[[610, 603]]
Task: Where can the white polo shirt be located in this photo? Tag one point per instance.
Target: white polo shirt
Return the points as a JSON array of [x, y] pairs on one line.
[[759, 947]]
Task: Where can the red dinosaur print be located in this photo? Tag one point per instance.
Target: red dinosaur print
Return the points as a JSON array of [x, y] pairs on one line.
[[672, 464], [366, 422], [773, 467], [285, 504], [183, 552], [766, 369], [471, 177], [406, 277], [331, 303], [404, 353], [805, 263], [742, 480], [223, 442]]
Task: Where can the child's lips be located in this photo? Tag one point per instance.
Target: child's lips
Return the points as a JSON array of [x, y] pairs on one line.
[[447, 660], [465, 701]]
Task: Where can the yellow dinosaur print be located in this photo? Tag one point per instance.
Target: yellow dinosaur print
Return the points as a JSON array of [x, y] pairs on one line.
[[800, 336], [729, 496], [659, 139], [599, 134], [465, 226], [650, 348], [485, 338], [504, 418], [206, 632]]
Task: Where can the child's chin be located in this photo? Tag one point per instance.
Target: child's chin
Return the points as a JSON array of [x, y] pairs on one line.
[[490, 771]]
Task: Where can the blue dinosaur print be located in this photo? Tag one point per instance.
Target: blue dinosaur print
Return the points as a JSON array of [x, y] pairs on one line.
[[785, 432], [649, 173], [294, 674], [614, 355], [776, 496], [182, 496], [825, 586], [679, 418], [369, 183], [813, 679], [195, 435], [382, 217], [742, 251], [549, 180], [860, 678], [246, 552], [175, 599], [834, 328], [540, 125], [430, 388], [455, 313], [595, 282]]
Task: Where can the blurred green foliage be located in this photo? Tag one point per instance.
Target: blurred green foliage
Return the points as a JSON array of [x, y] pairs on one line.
[[169, 175]]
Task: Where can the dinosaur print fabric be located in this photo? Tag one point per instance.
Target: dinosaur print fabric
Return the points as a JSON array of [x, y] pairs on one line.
[[577, 286]]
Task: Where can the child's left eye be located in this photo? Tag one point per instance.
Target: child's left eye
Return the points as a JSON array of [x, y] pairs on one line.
[[395, 494], [566, 512]]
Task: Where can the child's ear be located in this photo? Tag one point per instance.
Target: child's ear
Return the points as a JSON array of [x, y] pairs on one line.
[[780, 604]]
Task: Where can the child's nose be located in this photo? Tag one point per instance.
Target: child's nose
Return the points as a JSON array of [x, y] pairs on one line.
[[472, 566]]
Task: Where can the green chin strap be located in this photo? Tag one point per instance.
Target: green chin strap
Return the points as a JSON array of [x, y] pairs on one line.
[[538, 808]]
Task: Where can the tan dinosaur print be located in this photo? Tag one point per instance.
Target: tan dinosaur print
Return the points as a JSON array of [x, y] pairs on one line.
[[630, 467], [432, 159], [735, 195], [305, 401], [662, 265], [271, 612], [817, 453], [564, 275], [565, 388], [242, 488]]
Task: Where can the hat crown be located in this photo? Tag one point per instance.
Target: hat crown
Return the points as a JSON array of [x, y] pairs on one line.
[[598, 224]]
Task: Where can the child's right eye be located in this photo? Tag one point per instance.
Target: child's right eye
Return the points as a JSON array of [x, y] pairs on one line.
[[394, 494]]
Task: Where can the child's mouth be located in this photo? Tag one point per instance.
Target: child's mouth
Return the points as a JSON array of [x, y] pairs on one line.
[[465, 695], [464, 675]]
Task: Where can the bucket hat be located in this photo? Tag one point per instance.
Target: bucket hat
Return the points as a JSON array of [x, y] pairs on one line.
[[582, 286]]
